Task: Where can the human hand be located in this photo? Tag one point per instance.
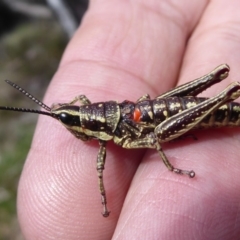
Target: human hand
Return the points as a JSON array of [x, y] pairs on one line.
[[122, 50]]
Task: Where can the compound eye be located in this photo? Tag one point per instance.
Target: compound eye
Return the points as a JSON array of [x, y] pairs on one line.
[[65, 118], [68, 119]]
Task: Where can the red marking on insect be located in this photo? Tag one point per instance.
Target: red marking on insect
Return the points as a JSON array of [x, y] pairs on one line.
[[136, 115]]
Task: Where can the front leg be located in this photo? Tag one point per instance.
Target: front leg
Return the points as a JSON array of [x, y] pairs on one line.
[[82, 99], [100, 167]]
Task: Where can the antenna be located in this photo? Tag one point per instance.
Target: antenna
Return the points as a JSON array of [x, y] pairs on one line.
[[41, 104]]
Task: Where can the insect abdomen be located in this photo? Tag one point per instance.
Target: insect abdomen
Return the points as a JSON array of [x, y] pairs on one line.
[[226, 116], [157, 110]]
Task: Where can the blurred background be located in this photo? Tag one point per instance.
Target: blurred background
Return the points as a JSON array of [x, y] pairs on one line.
[[33, 36]]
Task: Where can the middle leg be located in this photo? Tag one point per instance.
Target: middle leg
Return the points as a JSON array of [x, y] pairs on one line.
[[151, 141]]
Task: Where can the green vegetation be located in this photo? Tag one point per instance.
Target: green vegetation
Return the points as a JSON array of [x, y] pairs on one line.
[[29, 56]]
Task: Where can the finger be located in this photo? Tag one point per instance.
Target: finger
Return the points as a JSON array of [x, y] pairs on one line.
[[214, 41], [173, 207], [106, 60], [222, 37]]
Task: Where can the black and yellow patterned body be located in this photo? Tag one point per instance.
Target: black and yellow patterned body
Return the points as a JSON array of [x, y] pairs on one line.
[[147, 122]]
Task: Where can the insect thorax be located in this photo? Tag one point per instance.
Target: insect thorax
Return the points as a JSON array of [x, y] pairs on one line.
[[97, 120]]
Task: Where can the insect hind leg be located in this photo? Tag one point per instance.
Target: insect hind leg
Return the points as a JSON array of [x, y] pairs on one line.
[[198, 85], [184, 121]]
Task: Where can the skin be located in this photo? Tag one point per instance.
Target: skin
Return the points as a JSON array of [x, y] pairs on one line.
[[122, 50]]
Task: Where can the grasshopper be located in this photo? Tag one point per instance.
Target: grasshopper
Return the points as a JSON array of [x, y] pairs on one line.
[[147, 122]]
